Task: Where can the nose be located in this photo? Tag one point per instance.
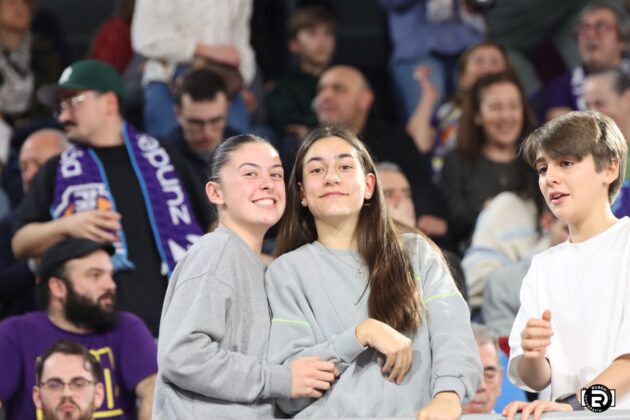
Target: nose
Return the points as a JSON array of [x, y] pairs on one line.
[[266, 183], [109, 284], [551, 176], [332, 177], [65, 114]]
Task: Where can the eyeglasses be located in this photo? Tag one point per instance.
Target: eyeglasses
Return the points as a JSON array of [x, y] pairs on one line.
[[199, 124], [56, 386], [71, 103], [600, 28]]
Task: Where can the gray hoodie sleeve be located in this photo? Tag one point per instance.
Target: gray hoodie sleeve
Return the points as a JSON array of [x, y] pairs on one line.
[[189, 355], [456, 365], [295, 331]]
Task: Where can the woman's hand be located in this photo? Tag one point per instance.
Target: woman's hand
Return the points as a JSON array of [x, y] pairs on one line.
[[445, 406], [395, 346]]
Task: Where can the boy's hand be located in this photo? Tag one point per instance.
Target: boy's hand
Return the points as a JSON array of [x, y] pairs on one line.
[[311, 377], [536, 336], [535, 408]]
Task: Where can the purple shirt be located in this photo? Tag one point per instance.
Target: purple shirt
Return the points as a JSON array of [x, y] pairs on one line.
[[128, 354]]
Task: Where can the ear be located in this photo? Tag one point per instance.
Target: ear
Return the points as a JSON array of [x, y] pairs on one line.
[[37, 397], [611, 172], [366, 99], [370, 186], [57, 287], [294, 46], [477, 120], [214, 192], [112, 102], [303, 201], [99, 395], [178, 111]]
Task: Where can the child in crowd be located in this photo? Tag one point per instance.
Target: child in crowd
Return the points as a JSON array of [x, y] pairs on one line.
[[578, 290], [312, 42], [349, 287], [215, 322]]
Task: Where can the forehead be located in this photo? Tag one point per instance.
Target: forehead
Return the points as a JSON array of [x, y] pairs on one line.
[[488, 354], [500, 90], [599, 83], [98, 259], [340, 77], [600, 15], [257, 153], [65, 366], [330, 148], [393, 180], [485, 51], [219, 102]]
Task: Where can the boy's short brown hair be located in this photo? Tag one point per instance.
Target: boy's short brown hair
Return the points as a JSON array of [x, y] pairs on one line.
[[578, 134], [309, 16]]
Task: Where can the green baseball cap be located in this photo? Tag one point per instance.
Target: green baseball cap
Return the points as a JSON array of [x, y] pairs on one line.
[[83, 75]]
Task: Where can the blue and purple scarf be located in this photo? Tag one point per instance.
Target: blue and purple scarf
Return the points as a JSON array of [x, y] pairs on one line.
[[81, 184]]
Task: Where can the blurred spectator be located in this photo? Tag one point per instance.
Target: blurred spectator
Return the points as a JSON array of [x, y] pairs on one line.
[[112, 42], [507, 231], [501, 297], [608, 91], [201, 109], [397, 192], [495, 119], [67, 384], [344, 97], [312, 43], [114, 185], [27, 61], [437, 133], [432, 33], [487, 394], [17, 281], [540, 40], [175, 35], [602, 38], [77, 292]]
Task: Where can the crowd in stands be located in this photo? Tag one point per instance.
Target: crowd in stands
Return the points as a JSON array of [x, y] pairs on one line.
[[144, 184]]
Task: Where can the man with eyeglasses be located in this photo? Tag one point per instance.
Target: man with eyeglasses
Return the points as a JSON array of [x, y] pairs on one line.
[[602, 35], [488, 392], [67, 385], [201, 107], [116, 185], [78, 296]]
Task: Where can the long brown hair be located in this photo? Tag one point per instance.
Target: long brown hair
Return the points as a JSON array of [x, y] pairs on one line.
[[470, 135], [394, 298]]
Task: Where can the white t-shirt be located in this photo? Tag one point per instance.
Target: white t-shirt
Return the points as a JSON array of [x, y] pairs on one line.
[[586, 286]]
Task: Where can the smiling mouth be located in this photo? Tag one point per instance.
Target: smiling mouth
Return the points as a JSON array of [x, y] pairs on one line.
[[333, 194], [265, 202]]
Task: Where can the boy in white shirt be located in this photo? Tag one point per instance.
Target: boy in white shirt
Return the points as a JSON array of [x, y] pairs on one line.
[[573, 330]]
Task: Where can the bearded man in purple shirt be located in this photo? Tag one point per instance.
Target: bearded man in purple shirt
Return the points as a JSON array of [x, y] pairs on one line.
[[78, 293]]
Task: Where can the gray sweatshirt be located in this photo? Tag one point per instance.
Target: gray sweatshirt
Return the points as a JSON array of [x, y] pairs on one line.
[[213, 336], [317, 299]]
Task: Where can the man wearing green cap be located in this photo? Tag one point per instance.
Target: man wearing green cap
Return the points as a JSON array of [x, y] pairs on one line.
[[116, 185]]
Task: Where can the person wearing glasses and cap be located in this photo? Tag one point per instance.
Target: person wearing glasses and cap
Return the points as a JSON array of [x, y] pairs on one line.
[[78, 296], [116, 185], [68, 384]]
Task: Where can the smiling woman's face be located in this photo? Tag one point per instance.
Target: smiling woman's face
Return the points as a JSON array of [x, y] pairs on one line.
[[334, 185]]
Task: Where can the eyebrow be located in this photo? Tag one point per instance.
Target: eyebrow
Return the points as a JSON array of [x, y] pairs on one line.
[[539, 160], [339, 156], [277, 165]]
